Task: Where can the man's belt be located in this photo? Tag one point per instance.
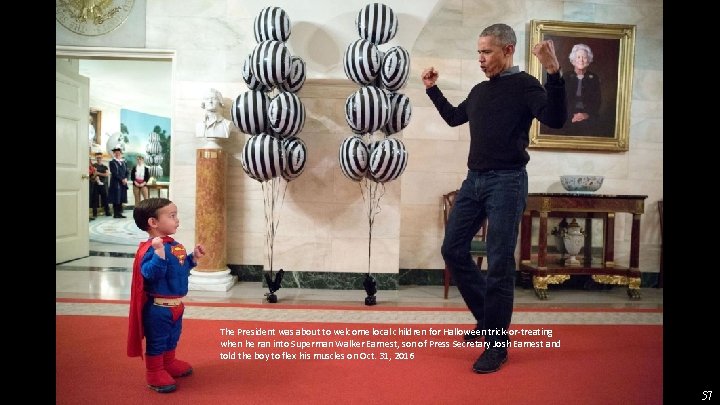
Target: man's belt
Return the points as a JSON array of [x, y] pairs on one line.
[[167, 302]]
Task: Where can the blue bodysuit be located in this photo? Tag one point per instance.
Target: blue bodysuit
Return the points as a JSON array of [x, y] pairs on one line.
[[164, 278]]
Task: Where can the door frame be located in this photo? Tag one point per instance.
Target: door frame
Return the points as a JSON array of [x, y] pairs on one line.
[[139, 54]]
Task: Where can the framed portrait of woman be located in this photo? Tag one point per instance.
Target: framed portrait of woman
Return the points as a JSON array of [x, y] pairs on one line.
[[596, 61]]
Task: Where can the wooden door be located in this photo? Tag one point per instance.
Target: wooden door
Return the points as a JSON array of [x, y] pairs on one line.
[[71, 161]]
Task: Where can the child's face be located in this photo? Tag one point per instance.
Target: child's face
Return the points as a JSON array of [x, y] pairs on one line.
[[167, 219]]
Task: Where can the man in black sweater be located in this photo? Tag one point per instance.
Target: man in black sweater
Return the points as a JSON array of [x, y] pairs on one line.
[[500, 111]]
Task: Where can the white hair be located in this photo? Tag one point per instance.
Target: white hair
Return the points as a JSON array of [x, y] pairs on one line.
[[581, 47], [214, 93]]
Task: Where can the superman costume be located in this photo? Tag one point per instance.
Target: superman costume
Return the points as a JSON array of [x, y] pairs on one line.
[[156, 310]]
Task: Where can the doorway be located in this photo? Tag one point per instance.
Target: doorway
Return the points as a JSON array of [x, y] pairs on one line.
[[123, 82]]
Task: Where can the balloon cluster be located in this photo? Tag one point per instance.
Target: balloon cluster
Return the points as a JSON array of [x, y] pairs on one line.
[[273, 149], [154, 155], [376, 105], [273, 114]]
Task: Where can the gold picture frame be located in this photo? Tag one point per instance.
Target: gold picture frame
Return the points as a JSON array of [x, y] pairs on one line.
[[608, 85]]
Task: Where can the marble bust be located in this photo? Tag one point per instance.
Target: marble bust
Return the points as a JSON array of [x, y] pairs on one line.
[[214, 126]]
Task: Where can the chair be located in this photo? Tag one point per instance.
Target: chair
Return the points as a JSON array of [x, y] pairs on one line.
[[478, 246]]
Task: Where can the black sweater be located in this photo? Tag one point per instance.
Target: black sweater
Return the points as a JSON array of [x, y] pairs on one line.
[[500, 112]]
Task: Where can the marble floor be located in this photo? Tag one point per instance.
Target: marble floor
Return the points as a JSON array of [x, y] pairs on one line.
[[100, 284]]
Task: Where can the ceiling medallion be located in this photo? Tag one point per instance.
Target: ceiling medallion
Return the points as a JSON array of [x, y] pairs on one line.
[[92, 17]]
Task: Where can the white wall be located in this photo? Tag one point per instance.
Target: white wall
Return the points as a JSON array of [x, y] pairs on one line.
[[438, 153], [322, 228]]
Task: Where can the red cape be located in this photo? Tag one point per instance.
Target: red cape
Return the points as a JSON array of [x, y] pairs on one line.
[[137, 301]]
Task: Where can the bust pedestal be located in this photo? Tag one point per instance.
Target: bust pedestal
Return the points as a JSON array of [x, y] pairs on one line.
[[211, 143], [211, 273]]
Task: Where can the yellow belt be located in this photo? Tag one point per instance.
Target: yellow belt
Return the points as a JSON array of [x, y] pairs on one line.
[[167, 302]]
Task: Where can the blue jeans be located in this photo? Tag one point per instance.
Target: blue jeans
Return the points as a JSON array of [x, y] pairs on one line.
[[500, 196]]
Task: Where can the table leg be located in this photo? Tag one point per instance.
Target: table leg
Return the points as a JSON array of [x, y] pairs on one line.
[[540, 287], [635, 243], [540, 283], [542, 242], [587, 248], [609, 240], [525, 238], [634, 272]]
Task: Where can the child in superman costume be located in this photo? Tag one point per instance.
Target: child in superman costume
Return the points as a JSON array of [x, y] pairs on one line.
[[159, 281]]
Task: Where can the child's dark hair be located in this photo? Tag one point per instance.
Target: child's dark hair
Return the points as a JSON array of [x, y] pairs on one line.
[[147, 209]]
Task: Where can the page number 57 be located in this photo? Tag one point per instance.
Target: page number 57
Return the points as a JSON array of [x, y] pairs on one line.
[[707, 395]]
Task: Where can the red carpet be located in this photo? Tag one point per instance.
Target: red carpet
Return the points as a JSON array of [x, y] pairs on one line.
[[593, 365]]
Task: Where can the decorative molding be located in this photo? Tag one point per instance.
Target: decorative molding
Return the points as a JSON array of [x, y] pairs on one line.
[[87, 52]]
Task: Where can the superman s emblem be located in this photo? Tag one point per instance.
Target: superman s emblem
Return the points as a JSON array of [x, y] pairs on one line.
[[179, 252]]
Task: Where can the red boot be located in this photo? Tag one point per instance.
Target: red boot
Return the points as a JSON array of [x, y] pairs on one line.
[[176, 368], [157, 378]]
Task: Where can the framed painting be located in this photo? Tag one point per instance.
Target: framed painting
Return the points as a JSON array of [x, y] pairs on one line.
[[596, 61]]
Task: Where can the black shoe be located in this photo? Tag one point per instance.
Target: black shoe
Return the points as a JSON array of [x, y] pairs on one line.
[[119, 216], [473, 335], [490, 361], [92, 218], [107, 214]]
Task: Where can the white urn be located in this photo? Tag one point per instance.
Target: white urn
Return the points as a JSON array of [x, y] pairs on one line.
[[574, 239]]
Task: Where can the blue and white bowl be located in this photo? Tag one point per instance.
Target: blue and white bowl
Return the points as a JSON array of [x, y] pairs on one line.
[[581, 183]]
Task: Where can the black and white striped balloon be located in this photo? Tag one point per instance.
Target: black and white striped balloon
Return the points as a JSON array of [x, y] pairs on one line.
[[367, 109], [153, 148], [295, 156], [286, 114], [400, 113], [272, 23], [377, 23], [155, 171], [388, 160], [362, 62], [296, 78], [154, 160], [371, 148], [154, 137], [271, 62], [249, 77], [354, 158], [249, 112], [378, 79], [395, 68], [262, 157]]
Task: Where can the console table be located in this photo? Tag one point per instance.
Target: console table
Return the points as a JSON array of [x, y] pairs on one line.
[[159, 188], [588, 206]]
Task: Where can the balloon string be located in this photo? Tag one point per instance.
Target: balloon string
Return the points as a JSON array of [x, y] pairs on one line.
[[371, 196], [282, 182], [272, 222], [274, 191], [267, 205]]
